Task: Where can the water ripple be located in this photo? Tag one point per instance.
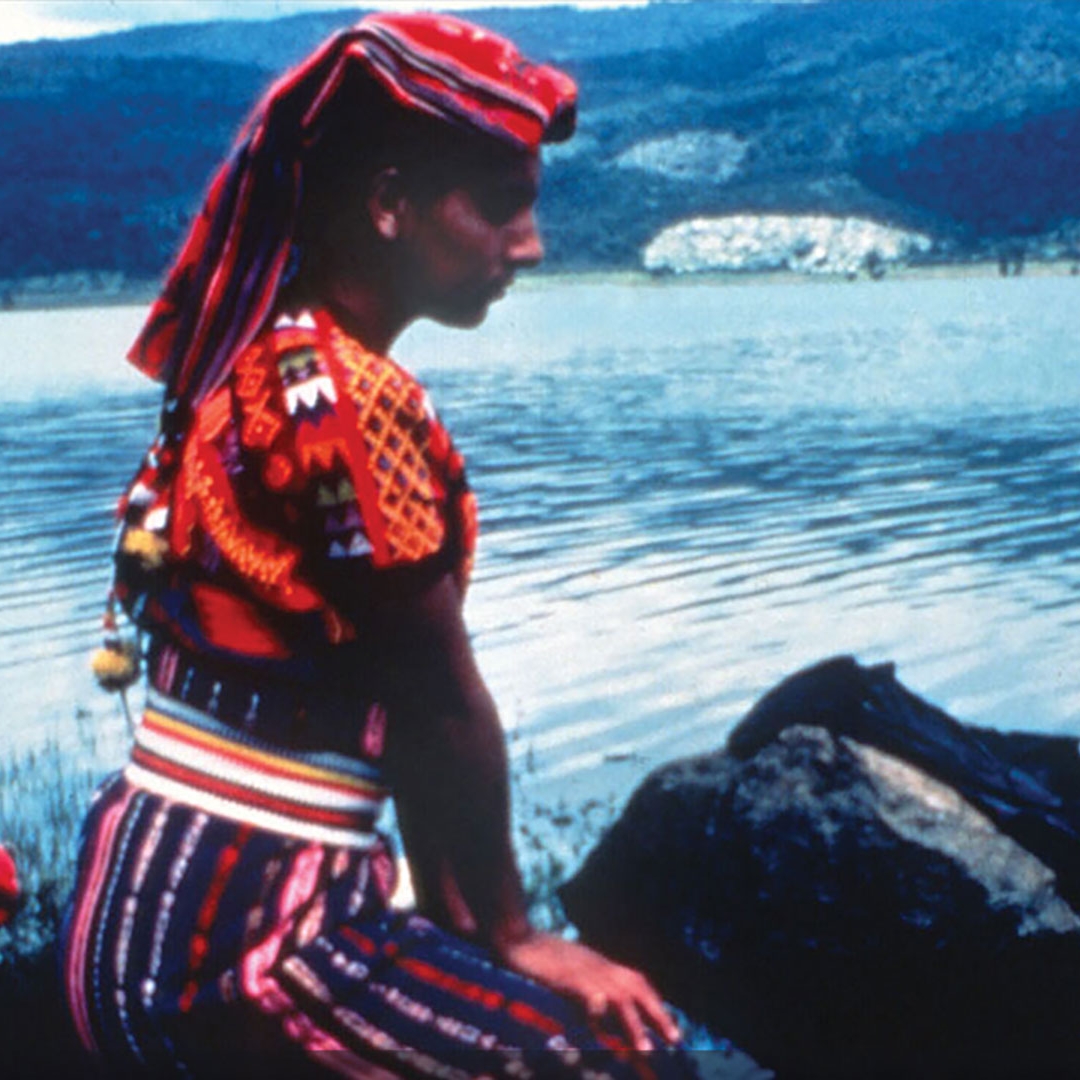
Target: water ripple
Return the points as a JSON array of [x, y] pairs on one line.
[[686, 493]]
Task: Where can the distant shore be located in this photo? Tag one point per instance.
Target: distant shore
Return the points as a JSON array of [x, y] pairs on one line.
[[84, 288], [979, 268], [106, 289]]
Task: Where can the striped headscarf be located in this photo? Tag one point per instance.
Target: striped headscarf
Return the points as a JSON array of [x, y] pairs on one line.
[[225, 281]]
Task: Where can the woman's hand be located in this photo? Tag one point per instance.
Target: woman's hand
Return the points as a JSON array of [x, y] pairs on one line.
[[600, 985]]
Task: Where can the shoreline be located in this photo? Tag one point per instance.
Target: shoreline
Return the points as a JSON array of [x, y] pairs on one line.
[[106, 289]]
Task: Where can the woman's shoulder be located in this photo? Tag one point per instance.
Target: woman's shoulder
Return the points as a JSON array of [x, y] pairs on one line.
[[288, 351], [309, 343], [291, 343], [305, 375]]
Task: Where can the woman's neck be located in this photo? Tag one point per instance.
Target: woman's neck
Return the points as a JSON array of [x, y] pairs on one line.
[[365, 313], [361, 308]]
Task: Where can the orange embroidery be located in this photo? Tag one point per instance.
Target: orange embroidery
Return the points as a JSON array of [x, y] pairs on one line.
[[390, 412], [250, 374], [260, 557], [323, 454], [253, 559], [259, 426], [277, 472], [364, 465], [214, 416]]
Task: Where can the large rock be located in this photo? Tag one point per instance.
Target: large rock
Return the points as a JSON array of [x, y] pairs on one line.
[[856, 885], [805, 243]]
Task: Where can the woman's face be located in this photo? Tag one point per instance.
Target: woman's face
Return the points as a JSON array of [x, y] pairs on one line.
[[462, 248]]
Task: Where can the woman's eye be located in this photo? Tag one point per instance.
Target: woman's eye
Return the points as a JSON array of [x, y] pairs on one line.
[[500, 205]]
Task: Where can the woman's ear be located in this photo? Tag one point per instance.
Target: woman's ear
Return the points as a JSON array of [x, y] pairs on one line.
[[387, 203]]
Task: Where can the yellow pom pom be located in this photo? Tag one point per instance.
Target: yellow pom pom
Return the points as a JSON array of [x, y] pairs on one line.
[[146, 546], [116, 665]]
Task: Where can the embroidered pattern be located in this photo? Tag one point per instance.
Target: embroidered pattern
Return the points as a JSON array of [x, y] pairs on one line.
[[315, 450], [264, 563], [259, 425], [396, 423], [309, 390]]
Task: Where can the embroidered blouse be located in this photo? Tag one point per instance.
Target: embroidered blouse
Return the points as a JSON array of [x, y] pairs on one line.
[[316, 462]]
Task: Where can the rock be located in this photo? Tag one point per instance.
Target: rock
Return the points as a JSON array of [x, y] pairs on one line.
[[710, 157], [808, 243], [856, 885]]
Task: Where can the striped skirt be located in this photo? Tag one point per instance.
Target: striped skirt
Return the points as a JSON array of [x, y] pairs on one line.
[[202, 940]]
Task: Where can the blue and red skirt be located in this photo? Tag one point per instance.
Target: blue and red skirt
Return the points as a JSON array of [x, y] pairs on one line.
[[231, 914]]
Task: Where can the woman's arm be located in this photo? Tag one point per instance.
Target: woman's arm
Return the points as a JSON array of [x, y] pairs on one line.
[[446, 759], [447, 765]]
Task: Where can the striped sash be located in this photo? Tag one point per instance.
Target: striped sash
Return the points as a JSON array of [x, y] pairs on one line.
[[189, 756]]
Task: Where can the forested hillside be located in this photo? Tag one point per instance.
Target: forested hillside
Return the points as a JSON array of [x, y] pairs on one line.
[[957, 117]]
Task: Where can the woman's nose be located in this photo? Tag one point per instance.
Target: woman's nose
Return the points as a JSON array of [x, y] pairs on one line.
[[524, 247]]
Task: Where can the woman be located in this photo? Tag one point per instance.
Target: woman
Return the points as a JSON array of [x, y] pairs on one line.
[[296, 549]]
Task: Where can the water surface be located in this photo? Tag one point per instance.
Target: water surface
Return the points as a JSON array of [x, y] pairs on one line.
[[687, 492]]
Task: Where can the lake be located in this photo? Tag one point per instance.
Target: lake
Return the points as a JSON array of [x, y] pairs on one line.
[[688, 490]]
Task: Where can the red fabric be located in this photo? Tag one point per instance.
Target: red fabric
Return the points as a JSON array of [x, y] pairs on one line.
[[229, 622], [9, 886], [224, 283], [453, 69], [315, 458]]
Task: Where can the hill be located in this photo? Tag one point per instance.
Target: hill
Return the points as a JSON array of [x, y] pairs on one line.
[[959, 118]]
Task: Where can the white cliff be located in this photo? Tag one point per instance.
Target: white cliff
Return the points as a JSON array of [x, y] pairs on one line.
[[813, 244], [712, 156]]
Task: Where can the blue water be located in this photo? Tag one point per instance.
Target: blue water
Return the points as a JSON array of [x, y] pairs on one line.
[[688, 490]]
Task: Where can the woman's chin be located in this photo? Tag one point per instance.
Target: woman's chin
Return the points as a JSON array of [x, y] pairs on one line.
[[465, 316]]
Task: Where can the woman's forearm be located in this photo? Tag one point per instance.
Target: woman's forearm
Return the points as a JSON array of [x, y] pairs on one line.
[[447, 760], [448, 767], [451, 788]]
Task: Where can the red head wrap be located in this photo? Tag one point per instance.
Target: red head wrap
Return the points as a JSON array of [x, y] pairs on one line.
[[225, 280]]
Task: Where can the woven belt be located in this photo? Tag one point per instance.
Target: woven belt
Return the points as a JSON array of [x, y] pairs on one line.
[[274, 710], [185, 754]]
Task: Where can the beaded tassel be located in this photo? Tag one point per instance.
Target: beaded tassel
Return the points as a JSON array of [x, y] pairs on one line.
[[116, 664]]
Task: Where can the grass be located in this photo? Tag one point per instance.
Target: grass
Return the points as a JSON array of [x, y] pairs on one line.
[[551, 841], [44, 793]]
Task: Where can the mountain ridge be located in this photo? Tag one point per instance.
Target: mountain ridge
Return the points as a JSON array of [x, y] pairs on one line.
[[956, 118]]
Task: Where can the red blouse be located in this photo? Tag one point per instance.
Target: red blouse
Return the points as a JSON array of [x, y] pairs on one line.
[[316, 462]]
